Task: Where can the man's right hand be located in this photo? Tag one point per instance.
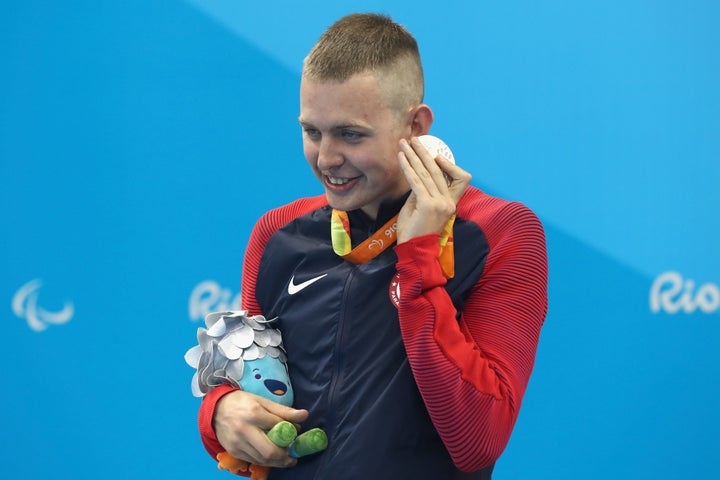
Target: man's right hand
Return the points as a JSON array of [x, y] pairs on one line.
[[240, 422]]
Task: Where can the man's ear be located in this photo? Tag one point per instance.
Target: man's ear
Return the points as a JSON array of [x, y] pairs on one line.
[[421, 117]]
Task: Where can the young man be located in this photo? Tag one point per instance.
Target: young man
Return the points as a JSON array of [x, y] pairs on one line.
[[414, 359]]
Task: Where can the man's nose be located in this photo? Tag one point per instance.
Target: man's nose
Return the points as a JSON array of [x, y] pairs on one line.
[[329, 156]]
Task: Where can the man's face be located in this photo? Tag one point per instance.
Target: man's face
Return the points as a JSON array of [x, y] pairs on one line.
[[350, 140]]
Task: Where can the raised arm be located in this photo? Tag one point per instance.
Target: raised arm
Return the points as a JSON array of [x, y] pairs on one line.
[[472, 374]]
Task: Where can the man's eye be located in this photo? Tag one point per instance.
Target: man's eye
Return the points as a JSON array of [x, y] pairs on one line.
[[351, 135], [311, 132]]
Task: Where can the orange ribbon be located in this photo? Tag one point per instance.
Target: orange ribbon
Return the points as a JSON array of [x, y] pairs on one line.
[[379, 241]]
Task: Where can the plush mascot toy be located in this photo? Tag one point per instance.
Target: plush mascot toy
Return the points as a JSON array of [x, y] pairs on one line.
[[247, 353]]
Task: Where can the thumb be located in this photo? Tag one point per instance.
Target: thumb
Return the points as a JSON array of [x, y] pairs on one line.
[[286, 413], [458, 179], [295, 415]]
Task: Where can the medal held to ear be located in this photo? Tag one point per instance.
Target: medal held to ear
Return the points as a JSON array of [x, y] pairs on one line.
[[435, 146]]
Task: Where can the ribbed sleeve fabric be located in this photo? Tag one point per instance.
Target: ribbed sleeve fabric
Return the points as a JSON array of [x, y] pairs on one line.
[[264, 229], [472, 374]]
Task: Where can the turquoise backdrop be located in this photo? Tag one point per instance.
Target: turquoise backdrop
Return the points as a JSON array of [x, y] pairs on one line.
[[140, 141]]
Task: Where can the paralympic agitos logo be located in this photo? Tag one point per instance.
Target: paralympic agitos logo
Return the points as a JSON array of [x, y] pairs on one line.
[[26, 304]]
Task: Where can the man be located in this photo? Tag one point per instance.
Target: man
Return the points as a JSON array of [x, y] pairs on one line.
[[414, 359]]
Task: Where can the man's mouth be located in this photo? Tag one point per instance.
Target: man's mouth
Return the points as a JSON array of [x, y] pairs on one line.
[[337, 180], [340, 185]]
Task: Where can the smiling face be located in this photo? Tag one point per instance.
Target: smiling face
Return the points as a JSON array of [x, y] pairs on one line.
[[350, 140]]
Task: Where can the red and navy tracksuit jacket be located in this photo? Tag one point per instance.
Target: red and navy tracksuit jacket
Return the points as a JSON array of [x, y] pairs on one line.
[[412, 375]]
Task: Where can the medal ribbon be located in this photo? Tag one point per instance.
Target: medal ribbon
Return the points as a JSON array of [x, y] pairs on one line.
[[379, 241]]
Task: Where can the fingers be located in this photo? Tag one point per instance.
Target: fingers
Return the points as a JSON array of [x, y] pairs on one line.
[[433, 199], [241, 420], [255, 447], [421, 169], [435, 176], [457, 178], [285, 413]]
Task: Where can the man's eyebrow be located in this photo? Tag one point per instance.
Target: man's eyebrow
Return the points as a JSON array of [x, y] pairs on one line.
[[305, 123]]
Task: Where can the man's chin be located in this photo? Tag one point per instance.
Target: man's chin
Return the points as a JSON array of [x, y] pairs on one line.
[[340, 202]]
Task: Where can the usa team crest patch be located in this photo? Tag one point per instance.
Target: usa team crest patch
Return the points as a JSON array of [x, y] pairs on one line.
[[394, 290]]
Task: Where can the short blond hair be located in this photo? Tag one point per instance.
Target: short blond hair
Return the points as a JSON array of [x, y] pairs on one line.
[[368, 42]]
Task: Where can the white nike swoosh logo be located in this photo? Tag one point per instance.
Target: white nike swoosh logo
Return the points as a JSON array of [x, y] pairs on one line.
[[293, 289]]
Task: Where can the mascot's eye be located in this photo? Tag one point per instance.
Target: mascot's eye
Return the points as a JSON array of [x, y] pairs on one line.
[[258, 376]]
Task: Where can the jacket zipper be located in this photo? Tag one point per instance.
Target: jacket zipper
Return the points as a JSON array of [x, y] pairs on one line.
[[337, 367]]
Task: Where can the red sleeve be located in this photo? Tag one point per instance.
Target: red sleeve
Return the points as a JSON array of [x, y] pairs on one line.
[[205, 419], [472, 374], [263, 230]]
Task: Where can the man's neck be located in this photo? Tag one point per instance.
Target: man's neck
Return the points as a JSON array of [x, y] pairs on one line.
[[385, 211]]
